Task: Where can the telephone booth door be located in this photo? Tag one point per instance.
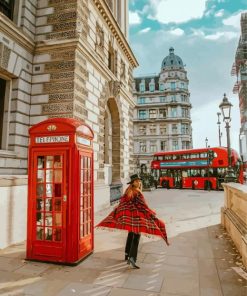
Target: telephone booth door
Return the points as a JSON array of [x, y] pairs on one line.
[[86, 204], [49, 200]]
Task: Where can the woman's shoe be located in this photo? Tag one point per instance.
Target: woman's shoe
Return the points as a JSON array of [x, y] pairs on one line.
[[132, 263]]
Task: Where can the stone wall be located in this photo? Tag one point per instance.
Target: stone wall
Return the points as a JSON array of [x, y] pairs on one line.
[[16, 68], [234, 216]]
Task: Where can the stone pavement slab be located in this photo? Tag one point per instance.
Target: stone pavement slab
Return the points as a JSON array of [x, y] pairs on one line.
[[199, 260]]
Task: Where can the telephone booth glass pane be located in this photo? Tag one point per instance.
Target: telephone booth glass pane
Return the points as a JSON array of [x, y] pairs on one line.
[[49, 198], [85, 198]]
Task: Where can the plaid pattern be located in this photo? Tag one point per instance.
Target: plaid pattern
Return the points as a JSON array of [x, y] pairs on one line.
[[135, 215]]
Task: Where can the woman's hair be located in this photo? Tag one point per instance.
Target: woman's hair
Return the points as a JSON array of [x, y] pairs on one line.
[[131, 189]]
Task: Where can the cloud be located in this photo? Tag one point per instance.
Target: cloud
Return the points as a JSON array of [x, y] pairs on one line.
[[177, 32], [134, 18], [233, 21], [225, 35], [145, 30], [198, 33], [176, 11], [219, 13]]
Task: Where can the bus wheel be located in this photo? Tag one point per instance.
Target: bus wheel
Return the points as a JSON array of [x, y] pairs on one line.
[[164, 184]]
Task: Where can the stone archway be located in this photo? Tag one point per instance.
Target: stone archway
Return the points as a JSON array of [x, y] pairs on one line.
[[114, 134]]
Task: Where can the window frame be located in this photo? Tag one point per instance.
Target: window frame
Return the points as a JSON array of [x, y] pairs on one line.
[[6, 113], [10, 7]]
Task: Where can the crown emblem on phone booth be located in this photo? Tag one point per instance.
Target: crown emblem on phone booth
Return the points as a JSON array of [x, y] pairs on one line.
[[52, 127]]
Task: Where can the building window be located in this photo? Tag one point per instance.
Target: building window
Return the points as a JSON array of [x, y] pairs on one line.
[[183, 98], [122, 70], [173, 98], [153, 147], [163, 130], [142, 114], [163, 145], [151, 87], [142, 129], [174, 129], [174, 111], [7, 8], [185, 129], [162, 99], [152, 113], [141, 100], [111, 58], [175, 145], [173, 85], [4, 113], [161, 86], [152, 129], [185, 112], [142, 86], [143, 146], [185, 145], [162, 113], [2, 99], [182, 85]]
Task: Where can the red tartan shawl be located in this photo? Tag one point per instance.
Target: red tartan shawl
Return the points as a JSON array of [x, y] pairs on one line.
[[135, 215]]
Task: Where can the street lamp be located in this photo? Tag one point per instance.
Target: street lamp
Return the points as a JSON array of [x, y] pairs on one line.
[[225, 107], [220, 133], [206, 141]]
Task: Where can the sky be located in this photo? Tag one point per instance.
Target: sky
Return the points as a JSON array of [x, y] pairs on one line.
[[205, 34]]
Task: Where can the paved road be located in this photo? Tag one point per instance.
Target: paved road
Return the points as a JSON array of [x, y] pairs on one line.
[[198, 262]]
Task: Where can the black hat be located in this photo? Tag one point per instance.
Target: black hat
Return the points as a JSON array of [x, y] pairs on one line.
[[133, 178]]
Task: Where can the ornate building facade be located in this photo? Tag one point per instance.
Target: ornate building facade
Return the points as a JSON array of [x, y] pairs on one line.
[[162, 115], [240, 69], [66, 58]]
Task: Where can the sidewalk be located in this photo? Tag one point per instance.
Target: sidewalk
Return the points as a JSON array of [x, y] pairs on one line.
[[198, 262]]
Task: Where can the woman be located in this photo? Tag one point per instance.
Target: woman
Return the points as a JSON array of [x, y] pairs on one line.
[[134, 215]]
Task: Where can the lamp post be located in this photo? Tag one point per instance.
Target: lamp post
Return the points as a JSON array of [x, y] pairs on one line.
[[225, 107], [220, 133], [206, 141]]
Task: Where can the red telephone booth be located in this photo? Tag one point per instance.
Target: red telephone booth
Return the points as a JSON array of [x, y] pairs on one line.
[[60, 191]]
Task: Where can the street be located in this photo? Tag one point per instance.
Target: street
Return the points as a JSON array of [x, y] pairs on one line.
[[199, 260]]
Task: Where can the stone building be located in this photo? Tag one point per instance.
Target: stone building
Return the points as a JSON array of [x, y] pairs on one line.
[[64, 58], [240, 69], [162, 115]]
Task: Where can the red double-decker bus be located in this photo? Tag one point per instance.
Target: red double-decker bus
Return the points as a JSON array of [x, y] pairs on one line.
[[203, 168]]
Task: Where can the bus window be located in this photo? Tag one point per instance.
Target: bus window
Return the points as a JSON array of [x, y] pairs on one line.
[[192, 173], [184, 174], [221, 172], [163, 173], [203, 173], [210, 173], [160, 158], [169, 173]]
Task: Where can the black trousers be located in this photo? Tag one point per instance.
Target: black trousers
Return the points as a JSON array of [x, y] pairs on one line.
[[132, 242]]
